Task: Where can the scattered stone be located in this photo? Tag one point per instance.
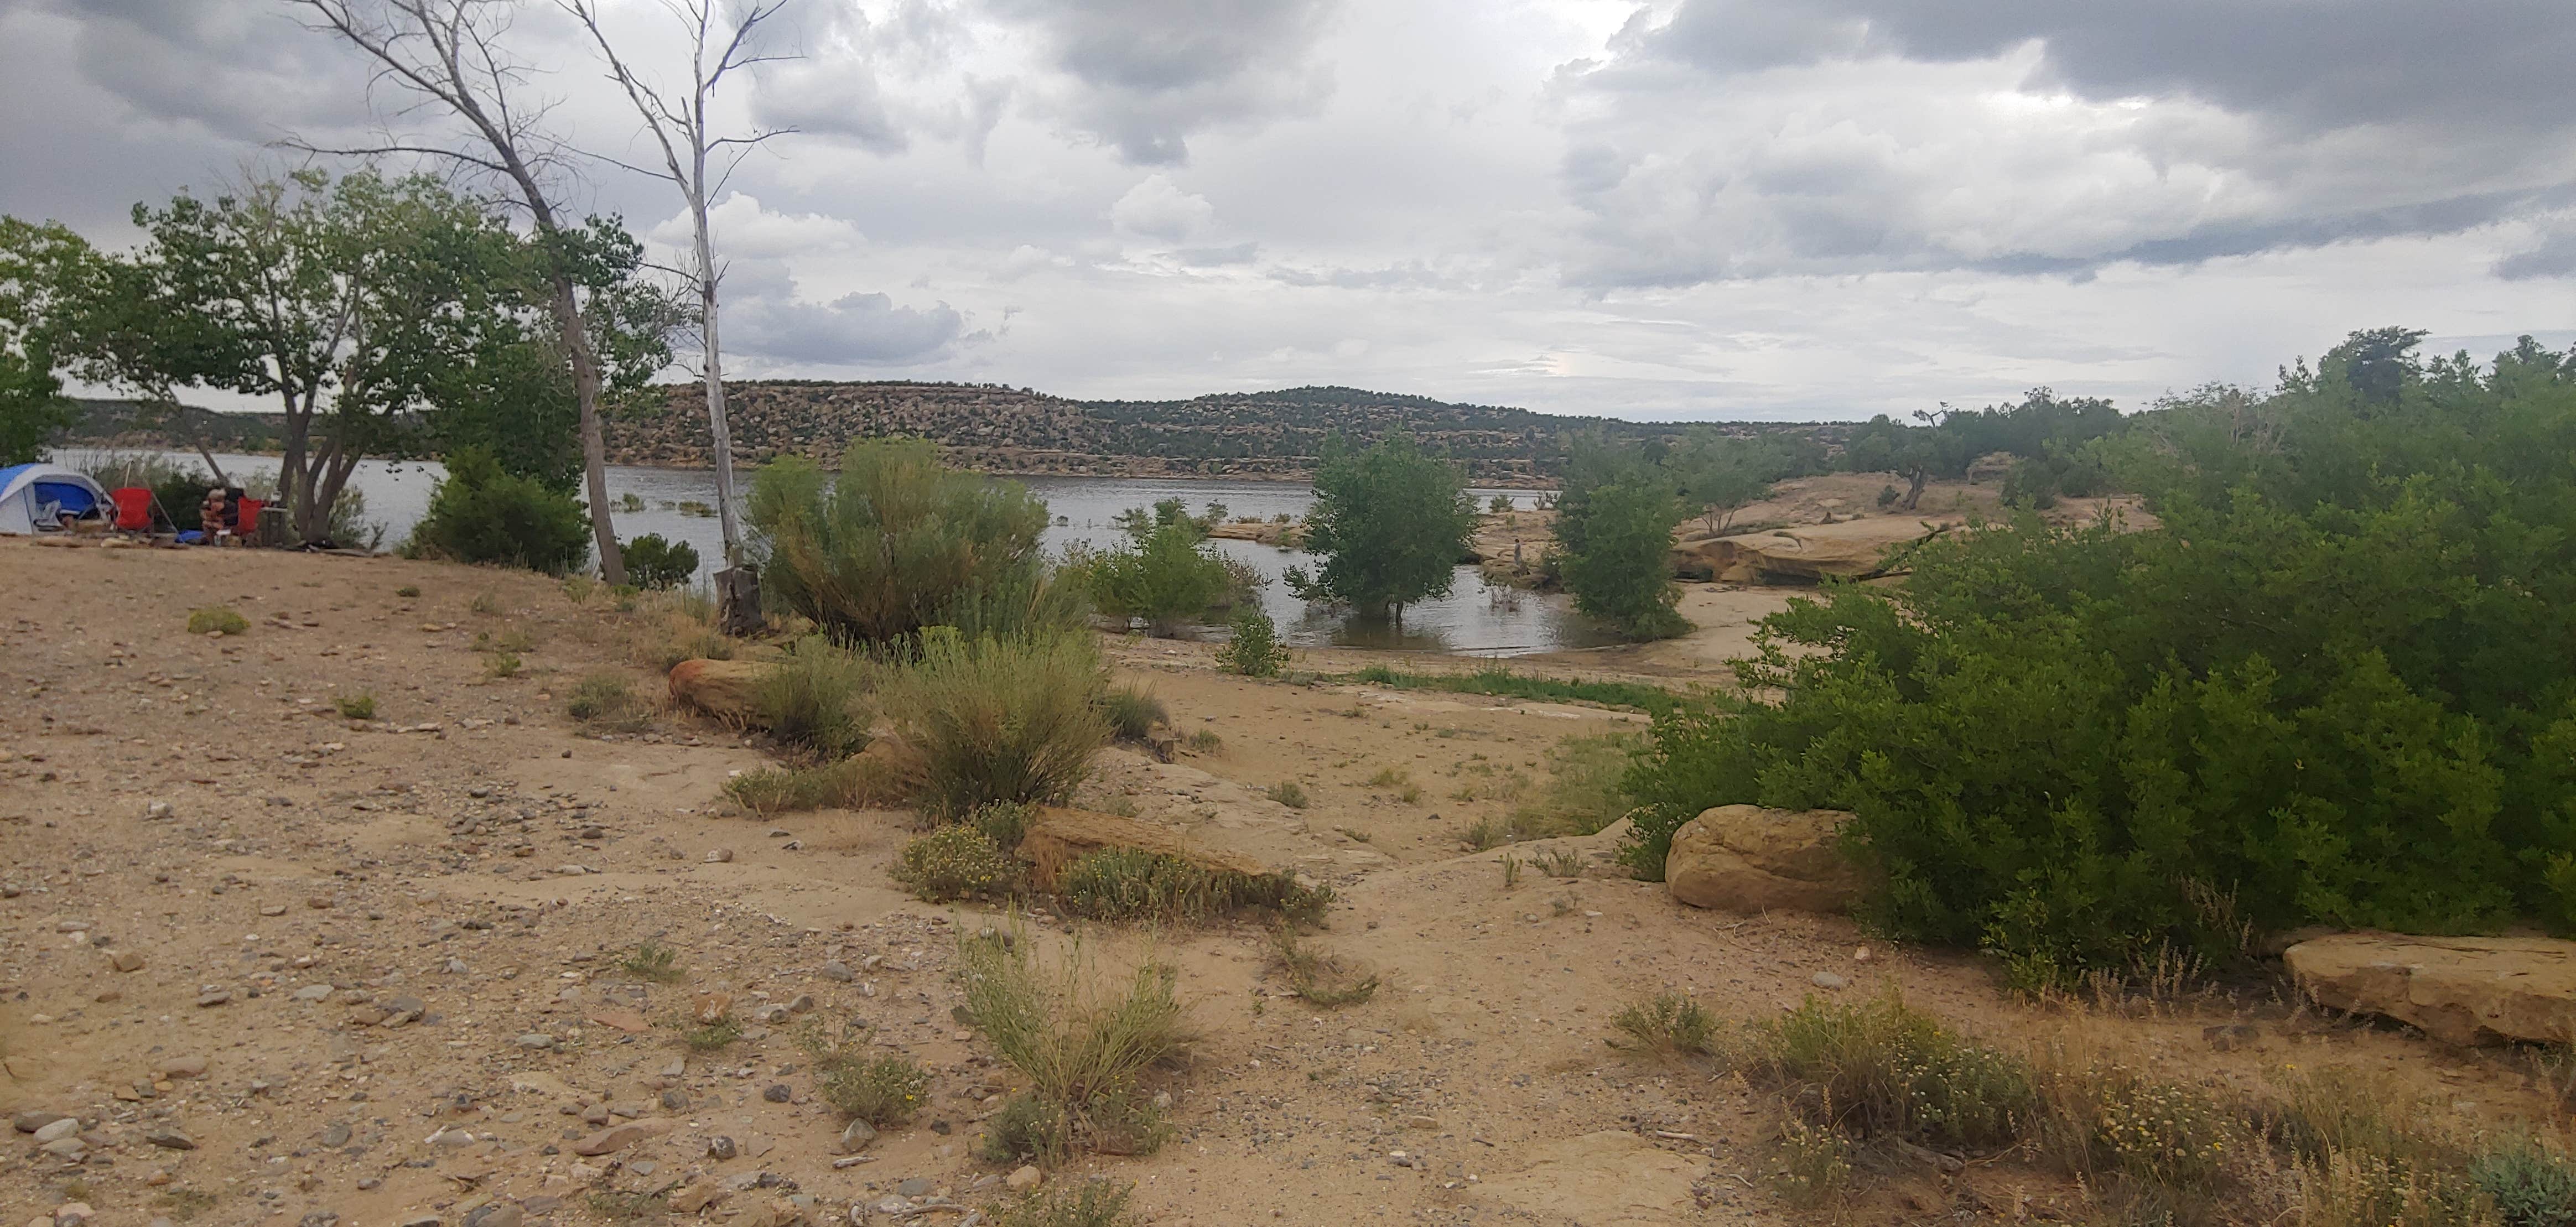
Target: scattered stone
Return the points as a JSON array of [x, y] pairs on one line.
[[777, 1092], [31, 1121], [838, 972], [719, 856], [169, 1137], [497, 1214], [319, 1218], [59, 1127], [126, 960], [211, 996], [336, 1135], [675, 1100], [537, 1040], [1829, 981], [1023, 1179], [915, 1187], [720, 1147], [856, 1135], [313, 992], [691, 1198], [184, 1067]]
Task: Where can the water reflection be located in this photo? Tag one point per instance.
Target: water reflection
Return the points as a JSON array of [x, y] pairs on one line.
[[1470, 620]]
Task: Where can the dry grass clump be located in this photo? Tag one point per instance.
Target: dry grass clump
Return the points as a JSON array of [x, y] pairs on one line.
[[1093, 1203], [996, 719], [607, 699], [1319, 979], [883, 1090], [957, 862], [1084, 1042], [651, 960], [1134, 885], [1585, 788], [2330, 1150], [815, 698], [1671, 1023], [864, 781], [1132, 712]]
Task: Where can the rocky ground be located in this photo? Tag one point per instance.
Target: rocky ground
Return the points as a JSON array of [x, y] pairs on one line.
[[261, 962]]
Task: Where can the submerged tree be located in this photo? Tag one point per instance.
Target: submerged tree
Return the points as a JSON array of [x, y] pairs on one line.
[[1391, 522]]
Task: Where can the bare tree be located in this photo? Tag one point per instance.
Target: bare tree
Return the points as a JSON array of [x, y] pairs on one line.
[[448, 55], [677, 120]]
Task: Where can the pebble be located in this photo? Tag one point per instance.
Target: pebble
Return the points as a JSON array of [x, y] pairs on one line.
[[31, 1121], [498, 1214], [719, 856], [1828, 980], [184, 1067], [313, 992], [536, 1040], [1024, 1179], [856, 1135], [720, 1147], [838, 972], [168, 1137], [915, 1187], [59, 1127], [336, 1135], [214, 997], [777, 1092]]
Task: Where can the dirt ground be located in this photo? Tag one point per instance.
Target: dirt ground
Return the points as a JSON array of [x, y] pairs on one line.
[[287, 966]]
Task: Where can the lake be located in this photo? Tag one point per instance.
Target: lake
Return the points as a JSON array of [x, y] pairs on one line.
[[1469, 621]]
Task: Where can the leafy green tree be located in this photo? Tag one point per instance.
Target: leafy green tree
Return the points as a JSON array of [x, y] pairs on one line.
[[1617, 556], [1254, 650], [33, 264], [483, 514], [654, 562], [1391, 523], [2337, 686]]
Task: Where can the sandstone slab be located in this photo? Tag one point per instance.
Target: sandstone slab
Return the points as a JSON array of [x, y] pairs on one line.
[[2462, 990]]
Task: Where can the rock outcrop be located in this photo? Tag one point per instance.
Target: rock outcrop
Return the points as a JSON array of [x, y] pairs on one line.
[[1060, 836], [2463, 990], [1808, 552], [725, 689], [1746, 858]]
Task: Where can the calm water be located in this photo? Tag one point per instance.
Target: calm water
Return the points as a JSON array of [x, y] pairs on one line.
[[1470, 620]]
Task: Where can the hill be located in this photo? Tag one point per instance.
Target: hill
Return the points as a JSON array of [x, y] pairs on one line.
[[1274, 435]]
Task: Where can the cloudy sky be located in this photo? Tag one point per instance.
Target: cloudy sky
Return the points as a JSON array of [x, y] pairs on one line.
[[1689, 208]]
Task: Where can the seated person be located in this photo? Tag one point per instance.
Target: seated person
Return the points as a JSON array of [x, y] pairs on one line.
[[215, 517]]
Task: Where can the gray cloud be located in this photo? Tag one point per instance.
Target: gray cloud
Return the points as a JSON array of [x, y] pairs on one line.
[[852, 330], [1149, 73]]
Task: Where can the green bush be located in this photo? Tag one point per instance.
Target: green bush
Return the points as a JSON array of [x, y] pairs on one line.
[[216, 620], [1132, 712], [2530, 1187], [480, 514], [360, 706], [1133, 885], [883, 1090], [652, 562], [815, 697], [1671, 1023], [862, 781], [2337, 686], [1883, 1068], [607, 699], [1166, 576], [1003, 822], [989, 719], [1254, 650], [957, 862], [1391, 523], [900, 542], [1093, 1203]]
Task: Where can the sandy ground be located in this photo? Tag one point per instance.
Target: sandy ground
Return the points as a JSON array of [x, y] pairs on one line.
[[371, 969]]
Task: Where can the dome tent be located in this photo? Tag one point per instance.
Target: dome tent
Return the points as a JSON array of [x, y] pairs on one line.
[[35, 497]]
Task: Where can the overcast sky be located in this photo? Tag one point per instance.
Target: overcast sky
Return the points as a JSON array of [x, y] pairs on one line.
[[1693, 209]]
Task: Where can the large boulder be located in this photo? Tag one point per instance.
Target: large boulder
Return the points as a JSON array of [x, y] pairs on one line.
[[1060, 836], [2464, 990], [1810, 552], [1746, 858], [725, 689]]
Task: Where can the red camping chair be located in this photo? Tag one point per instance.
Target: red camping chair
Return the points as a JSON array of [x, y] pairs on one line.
[[246, 516], [133, 508]]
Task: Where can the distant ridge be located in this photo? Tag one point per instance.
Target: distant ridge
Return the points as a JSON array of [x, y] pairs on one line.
[[1274, 436]]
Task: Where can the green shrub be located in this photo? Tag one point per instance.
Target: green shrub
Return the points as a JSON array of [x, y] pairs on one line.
[[651, 960], [1586, 788], [957, 862], [2530, 1187], [1003, 822], [652, 562], [1614, 553], [1287, 792], [360, 706], [216, 620], [990, 720], [899, 542], [815, 697], [1318, 979], [1254, 650], [480, 514], [1085, 1046], [1166, 577], [1093, 1203], [2061, 743], [407, 591], [1132, 712], [607, 698], [1134, 885], [1391, 523]]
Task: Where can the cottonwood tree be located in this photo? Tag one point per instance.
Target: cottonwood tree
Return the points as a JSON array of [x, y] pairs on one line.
[[33, 262], [448, 55], [1391, 523], [678, 122]]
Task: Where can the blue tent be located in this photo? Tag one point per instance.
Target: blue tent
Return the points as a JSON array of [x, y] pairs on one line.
[[35, 497]]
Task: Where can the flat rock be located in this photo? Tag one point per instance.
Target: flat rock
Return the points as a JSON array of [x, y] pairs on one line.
[[1810, 552], [169, 1137], [1746, 858], [619, 1136], [2461, 990]]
